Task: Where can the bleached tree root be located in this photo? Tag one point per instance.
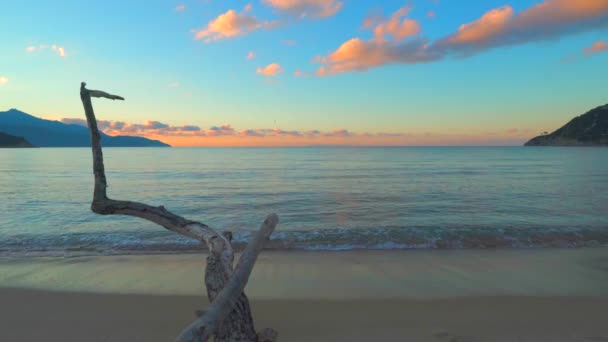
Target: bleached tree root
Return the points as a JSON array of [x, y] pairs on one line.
[[228, 318]]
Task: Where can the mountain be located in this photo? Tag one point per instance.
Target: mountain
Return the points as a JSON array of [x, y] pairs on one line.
[[589, 129], [7, 140], [47, 133]]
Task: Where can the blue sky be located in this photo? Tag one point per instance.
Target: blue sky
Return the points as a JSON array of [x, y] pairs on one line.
[[489, 89]]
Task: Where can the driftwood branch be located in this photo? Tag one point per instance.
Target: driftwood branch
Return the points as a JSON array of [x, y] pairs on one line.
[[105, 206], [229, 306], [205, 326], [99, 93]]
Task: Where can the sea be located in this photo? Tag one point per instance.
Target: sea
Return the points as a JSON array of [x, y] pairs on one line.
[[327, 198]]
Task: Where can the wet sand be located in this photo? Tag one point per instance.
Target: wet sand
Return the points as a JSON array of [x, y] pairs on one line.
[[501, 295]]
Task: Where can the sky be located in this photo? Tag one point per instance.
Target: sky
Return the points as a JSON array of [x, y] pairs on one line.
[[309, 72]]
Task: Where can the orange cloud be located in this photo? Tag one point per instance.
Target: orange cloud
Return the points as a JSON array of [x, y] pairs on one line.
[[484, 28], [226, 135], [229, 25], [597, 47], [550, 19], [270, 70], [300, 73], [359, 55], [395, 27], [306, 8], [147, 128]]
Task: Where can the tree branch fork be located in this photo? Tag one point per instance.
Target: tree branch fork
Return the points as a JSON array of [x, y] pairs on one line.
[[228, 317]]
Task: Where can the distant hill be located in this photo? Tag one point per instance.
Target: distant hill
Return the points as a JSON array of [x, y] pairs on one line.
[[47, 133], [7, 140], [589, 129]]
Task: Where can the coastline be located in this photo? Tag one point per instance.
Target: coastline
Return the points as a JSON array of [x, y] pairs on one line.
[[421, 295]]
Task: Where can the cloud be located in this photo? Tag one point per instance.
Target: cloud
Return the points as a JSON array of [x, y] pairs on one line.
[[300, 73], [359, 55], [174, 85], [306, 8], [3, 79], [220, 130], [483, 29], [229, 25], [60, 50], [250, 55], [270, 70], [431, 14], [597, 47], [338, 133], [147, 128], [550, 19], [226, 135], [394, 26], [248, 7], [180, 8]]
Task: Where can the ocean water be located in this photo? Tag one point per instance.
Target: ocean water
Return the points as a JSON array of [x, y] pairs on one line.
[[326, 197]]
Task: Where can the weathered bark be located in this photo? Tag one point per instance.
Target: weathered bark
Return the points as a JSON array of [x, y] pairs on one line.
[[202, 328], [228, 318]]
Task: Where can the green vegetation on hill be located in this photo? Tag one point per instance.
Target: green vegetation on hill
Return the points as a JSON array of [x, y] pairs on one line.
[[7, 140], [589, 129]]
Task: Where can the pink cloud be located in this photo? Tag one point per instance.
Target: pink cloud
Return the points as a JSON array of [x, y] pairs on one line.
[[395, 27], [431, 14], [250, 55], [485, 28], [498, 27], [270, 70], [226, 135], [229, 25], [338, 133], [180, 8], [549, 19], [360, 55], [147, 128], [220, 130], [306, 8], [248, 7], [597, 47], [300, 73]]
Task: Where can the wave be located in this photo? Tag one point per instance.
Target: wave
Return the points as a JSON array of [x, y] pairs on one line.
[[386, 238]]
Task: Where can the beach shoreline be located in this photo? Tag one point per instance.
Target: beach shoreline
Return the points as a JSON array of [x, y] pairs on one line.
[[453, 295], [35, 315]]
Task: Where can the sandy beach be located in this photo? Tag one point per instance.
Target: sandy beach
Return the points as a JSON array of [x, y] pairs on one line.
[[466, 295]]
